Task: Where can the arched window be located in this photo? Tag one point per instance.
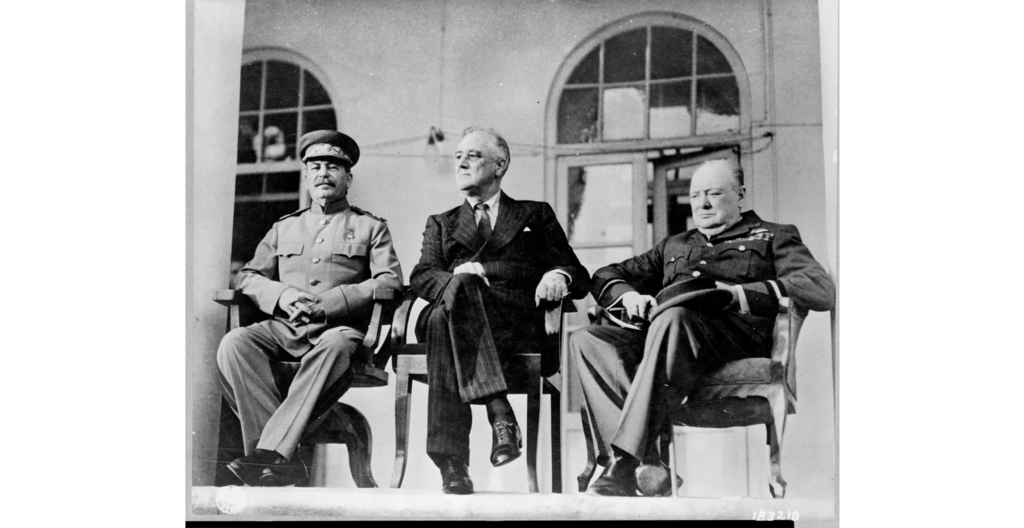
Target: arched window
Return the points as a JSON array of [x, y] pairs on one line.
[[632, 111], [282, 96], [664, 79]]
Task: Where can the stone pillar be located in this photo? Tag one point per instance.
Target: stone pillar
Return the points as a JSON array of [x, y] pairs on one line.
[[216, 52]]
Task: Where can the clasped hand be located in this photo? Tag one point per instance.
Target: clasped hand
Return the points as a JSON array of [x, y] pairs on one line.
[[301, 307]]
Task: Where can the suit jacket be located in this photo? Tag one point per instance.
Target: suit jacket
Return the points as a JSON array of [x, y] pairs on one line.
[[340, 254], [526, 242], [768, 260]]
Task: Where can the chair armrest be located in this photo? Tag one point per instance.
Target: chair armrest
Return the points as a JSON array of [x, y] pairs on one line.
[[229, 297]]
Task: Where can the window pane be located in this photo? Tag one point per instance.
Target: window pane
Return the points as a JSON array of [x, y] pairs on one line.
[[596, 258], [671, 53], [315, 94], [577, 116], [601, 204], [247, 126], [623, 113], [319, 120], [282, 85], [252, 221], [670, 110], [252, 75], [624, 56], [718, 105], [709, 59], [283, 182], [246, 184], [279, 136], [587, 70]]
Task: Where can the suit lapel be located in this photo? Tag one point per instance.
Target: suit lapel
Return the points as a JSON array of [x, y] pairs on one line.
[[512, 215], [465, 228]]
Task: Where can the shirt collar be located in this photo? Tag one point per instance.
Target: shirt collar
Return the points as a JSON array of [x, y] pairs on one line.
[[492, 202], [333, 207]]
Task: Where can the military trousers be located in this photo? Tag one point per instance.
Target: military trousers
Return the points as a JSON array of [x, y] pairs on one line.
[[632, 381], [269, 421]]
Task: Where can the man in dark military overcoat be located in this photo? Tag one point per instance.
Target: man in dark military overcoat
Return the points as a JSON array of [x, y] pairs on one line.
[[314, 272], [485, 266], [631, 379]]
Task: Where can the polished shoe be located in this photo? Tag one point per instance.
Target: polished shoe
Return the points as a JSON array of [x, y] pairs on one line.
[[250, 468], [618, 479], [455, 477], [277, 478], [506, 442], [652, 480]]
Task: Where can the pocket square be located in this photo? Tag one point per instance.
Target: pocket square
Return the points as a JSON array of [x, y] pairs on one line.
[[526, 229]]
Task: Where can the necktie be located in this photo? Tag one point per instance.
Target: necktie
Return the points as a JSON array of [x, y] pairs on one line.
[[484, 225]]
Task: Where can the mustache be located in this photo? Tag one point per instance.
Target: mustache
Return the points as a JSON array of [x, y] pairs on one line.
[[323, 181]]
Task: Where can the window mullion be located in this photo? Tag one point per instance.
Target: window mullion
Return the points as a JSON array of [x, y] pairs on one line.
[[693, 87], [647, 85], [263, 100], [600, 95]]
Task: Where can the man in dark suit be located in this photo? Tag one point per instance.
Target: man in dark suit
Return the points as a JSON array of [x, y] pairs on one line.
[[485, 267], [632, 380]]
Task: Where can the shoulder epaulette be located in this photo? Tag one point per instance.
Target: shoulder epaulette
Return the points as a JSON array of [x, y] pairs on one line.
[[300, 211], [367, 213]]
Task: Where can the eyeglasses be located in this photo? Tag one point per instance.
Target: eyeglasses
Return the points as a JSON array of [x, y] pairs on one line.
[[472, 156]]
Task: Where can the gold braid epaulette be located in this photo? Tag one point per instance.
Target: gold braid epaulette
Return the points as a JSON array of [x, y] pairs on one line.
[[367, 213]]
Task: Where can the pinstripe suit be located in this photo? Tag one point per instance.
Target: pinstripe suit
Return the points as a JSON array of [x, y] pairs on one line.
[[471, 326]]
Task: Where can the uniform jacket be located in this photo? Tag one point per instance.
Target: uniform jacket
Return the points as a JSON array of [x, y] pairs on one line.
[[768, 260], [340, 254], [526, 242]]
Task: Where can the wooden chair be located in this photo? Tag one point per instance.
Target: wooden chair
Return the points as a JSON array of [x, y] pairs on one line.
[[740, 393], [410, 364], [333, 422]]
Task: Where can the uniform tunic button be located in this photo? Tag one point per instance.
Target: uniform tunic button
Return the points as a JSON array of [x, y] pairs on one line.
[[703, 262], [743, 248], [320, 240], [323, 222], [673, 259], [710, 244], [313, 282], [696, 274], [316, 260]]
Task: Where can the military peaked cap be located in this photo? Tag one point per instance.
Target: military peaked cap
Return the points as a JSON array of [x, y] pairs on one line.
[[328, 144]]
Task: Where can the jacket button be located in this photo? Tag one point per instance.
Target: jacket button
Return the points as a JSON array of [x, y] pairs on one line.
[[696, 274], [323, 222], [704, 262], [316, 260], [673, 259], [743, 248], [313, 282], [710, 244], [320, 240]]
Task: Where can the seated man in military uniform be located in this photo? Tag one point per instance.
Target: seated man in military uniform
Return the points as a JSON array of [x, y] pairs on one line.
[[314, 273], [632, 380]]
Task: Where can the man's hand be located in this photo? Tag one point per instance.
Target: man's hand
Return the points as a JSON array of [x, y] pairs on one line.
[[730, 288], [552, 287], [296, 303], [473, 268], [638, 306]]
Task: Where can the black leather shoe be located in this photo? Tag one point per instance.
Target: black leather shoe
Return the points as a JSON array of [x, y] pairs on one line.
[[506, 442], [618, 479], [276, 478], [652, 480], [249, 469], [455, 477]]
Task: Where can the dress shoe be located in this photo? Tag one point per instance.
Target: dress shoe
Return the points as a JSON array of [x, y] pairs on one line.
[[250, 468], [455, 477], [652, 480], [506, 441], [618, 479]]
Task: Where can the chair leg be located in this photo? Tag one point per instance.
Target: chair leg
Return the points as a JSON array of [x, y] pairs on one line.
[[403, 387], [776, 484], [556, 441], [532, 426], [358, 438], [673, 461], [583, 480]]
